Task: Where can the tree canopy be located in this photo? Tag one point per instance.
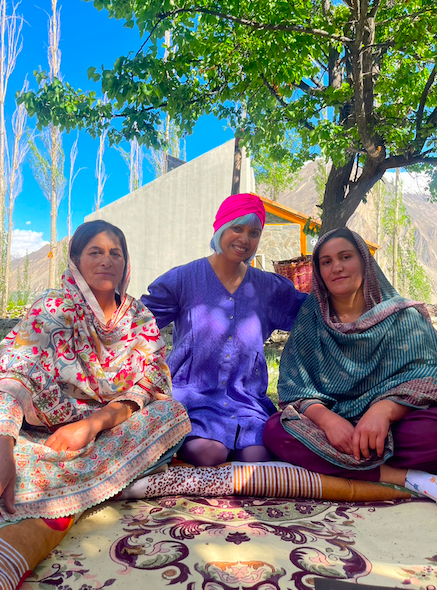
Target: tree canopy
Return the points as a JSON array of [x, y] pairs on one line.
[[354, 79]]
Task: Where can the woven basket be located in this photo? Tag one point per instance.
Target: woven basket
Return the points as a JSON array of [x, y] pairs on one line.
[[298, 270]]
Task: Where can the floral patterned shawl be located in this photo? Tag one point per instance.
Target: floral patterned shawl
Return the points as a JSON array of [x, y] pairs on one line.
[[390, 352], [63, 358]]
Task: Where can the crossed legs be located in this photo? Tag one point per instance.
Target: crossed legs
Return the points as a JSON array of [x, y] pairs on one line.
[[206, 452]]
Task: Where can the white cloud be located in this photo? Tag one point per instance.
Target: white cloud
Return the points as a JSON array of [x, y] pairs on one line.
[[26, 239], [28, 222]]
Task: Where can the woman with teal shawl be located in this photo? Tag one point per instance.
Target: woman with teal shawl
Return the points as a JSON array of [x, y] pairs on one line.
[[358, 376]]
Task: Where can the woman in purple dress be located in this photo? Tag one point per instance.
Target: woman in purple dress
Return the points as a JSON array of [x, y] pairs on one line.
[[223, 310]]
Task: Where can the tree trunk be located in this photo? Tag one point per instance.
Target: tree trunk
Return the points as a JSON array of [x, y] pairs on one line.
[[54, 70], [236, 172], [7, 262], [379, 235], [2, 125], [54, 206], [343, 193], [396, 232]]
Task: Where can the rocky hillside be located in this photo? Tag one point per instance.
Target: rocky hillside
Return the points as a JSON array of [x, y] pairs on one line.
[[38, 267], [303, 197]]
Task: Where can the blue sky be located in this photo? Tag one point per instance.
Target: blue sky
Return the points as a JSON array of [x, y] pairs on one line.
[[88, 38]]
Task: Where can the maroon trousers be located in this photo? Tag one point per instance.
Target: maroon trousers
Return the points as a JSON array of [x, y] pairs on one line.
[[415, 447]]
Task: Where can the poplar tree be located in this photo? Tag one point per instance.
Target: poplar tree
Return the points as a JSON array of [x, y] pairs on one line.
[[54, 143], [15, 183], [11, 44]]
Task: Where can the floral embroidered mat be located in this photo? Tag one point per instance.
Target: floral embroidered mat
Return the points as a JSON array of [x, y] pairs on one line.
[[244, 543]]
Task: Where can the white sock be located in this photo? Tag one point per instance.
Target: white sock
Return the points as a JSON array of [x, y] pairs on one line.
[[423, 483]]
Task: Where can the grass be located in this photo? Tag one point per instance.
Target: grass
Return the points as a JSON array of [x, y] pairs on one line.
[[272, 359]]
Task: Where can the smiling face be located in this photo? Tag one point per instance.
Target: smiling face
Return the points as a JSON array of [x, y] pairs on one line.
[[102, 263], [341, 267], [239, 242]]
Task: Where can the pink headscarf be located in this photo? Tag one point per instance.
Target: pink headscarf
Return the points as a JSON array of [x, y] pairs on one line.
[[238, 206]]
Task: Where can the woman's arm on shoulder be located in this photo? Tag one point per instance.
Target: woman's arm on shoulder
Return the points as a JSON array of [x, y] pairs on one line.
[[163, 297], [287, 302]]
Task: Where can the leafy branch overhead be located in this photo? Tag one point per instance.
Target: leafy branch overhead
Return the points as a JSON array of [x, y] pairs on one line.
[[355, 80]]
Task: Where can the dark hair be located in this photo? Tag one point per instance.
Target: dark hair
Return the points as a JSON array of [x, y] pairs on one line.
[[87, 231], [341, 232]]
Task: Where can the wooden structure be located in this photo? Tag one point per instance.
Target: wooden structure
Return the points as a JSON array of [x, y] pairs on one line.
[[292, 216]]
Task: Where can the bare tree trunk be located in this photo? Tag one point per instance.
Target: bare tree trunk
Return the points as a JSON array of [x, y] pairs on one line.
[[236, 172], [167, 38], [3, 83], [54, 58], [53, 207], [100, 171], [379, 236], [10, 47], [19, 119], [73, 156], [100, 174], [396, 232], [8, 260]]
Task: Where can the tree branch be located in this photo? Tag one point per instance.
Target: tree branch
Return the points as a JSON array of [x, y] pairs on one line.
[[375, 8], [281, 101], [155, 26], [256, 25], [388, 21], [432, 119], [307, 88], [326, 8], [375, 152], [406, 160], [423, 99]]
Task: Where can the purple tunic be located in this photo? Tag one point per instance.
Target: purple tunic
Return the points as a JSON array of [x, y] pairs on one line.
[[217, 363]]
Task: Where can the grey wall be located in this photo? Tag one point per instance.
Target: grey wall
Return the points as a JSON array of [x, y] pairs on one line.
[[168, 222], [279, 242]]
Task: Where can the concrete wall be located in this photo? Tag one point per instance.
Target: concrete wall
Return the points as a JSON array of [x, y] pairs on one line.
[[279, 242], [168, 222]]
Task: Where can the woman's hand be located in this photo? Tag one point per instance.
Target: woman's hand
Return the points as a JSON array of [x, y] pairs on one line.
[[338, 430], [73, 437], [7, 472], [372, 428], [371, 431], [76, 436]]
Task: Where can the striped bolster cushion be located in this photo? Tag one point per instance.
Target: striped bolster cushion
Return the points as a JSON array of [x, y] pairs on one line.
[[26, 543], [13, 566], [274, 479]]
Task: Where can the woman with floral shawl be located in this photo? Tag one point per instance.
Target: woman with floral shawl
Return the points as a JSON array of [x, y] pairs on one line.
[[85, 402], [358, 376]]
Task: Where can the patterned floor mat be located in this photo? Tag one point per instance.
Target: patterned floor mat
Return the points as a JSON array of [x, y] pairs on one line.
[[244, 543]]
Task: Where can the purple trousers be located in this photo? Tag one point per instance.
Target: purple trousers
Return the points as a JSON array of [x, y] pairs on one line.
[[415, 447]]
